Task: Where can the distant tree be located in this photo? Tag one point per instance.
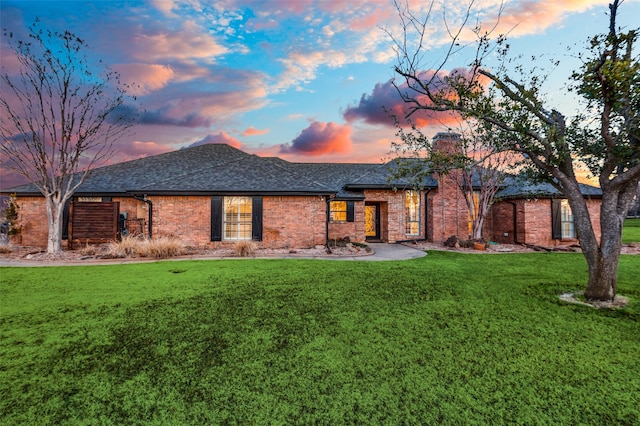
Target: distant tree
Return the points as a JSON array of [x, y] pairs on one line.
[[507, 100], [59, 117]]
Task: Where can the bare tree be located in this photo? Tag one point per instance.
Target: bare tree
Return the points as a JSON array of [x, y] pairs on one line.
[[59, 118], [509, 103]]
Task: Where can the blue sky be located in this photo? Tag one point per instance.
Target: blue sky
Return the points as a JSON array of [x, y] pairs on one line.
[[301, 79]]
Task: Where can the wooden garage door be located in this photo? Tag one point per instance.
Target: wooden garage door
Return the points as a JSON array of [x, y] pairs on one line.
[[94, 222]]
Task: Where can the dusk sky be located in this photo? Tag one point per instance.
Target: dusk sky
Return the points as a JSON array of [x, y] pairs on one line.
[[300, 79]]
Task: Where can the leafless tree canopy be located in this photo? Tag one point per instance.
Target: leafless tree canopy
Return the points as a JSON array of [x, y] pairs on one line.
[[61, 114]]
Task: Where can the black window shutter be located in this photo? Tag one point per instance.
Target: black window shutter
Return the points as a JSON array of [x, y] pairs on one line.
[[65, 221], [216, 218], [256, 219], [556, 219], [350, 211]]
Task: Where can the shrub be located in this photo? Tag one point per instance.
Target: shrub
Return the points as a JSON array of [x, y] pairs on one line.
[[160, 248], [164, 247], [245, 248], [88, 250], [128, 246]]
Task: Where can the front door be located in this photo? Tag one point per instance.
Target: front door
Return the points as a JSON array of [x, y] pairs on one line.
[[372, 221]]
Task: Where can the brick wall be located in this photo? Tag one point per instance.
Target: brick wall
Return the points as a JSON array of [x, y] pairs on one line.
[[32, 217], [447, 214], [533, 222], [286, 221], [295, 222], [299, 221]]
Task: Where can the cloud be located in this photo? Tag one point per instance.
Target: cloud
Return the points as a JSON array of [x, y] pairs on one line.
[[534, 16], [219, 138], [137, 149], [252, 131], [144, 78], [189, 43], [167, 116], [385, 102], [320, 138]]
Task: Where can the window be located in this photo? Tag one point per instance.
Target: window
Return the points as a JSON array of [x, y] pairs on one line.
[[338, 211], [473, 214], [237, 218], [568, 230], [412, 209], [562, 220], [341, 211]]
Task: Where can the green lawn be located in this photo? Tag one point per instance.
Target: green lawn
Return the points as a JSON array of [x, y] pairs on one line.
[[446, 339], [631, 231]]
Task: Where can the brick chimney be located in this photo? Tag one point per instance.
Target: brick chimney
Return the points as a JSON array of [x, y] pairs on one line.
[[448, 142], [447, 212]]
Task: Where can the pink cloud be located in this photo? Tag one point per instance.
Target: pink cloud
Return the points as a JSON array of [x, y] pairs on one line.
[[144, 78], [219, 138], [137, 149], [385, 102], [535, 16], [252, 131], [191, 42], [320, 138]]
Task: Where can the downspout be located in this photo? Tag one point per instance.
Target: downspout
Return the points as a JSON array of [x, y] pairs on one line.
[[150, 204], [426, 214], [326, 224], [515, 221]]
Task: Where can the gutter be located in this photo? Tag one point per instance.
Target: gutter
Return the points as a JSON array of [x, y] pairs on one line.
[[146, 200]]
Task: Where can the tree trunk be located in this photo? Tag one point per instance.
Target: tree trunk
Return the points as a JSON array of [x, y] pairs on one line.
[[603, 277], [54, 218], [603, 267]]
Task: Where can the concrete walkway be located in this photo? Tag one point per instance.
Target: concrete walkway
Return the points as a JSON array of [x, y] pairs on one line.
[[381, 251]]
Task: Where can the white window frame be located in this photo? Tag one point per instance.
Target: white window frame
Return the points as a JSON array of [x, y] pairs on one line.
[[568, 226], [237, 218]]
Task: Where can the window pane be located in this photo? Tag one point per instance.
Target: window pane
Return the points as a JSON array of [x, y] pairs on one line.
[[412, 212], [237, 218], [568, 228], [338, 211]]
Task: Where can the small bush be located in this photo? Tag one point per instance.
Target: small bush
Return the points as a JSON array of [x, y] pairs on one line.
[[164, 247], [128, 246], [245, 248], [88, 250], [159, 248]]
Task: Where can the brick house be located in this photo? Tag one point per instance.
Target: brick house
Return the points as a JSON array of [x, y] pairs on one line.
[[214, 195]]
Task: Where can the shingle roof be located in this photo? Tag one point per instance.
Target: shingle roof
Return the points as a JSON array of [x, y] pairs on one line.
[[515, 187], [220, 168], [213, 168]]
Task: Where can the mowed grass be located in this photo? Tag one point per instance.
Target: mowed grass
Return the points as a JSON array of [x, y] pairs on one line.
[[631, 231], [446, 339]]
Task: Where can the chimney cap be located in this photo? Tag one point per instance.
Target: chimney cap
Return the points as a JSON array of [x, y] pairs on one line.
[[446, 136]]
